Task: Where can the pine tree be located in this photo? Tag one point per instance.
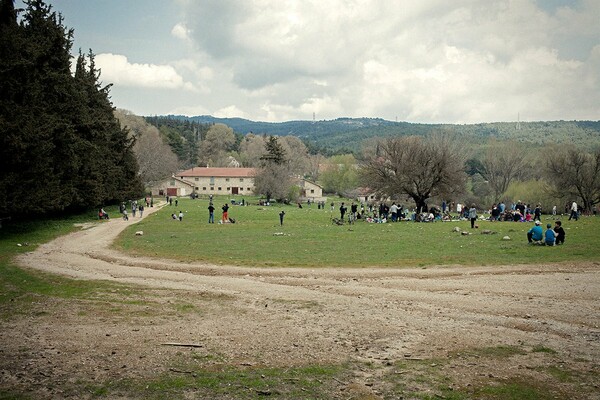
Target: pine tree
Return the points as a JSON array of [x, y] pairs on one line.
[[111, 171], [36, 136], [275, 152], [61, 147]]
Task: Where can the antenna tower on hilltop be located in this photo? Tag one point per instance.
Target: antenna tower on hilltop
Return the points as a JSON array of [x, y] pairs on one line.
[[519, 121]]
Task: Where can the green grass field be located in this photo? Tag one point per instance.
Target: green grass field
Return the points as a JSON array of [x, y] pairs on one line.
[[309, 239]]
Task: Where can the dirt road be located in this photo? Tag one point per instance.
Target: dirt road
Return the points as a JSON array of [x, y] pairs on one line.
[[287, 317]]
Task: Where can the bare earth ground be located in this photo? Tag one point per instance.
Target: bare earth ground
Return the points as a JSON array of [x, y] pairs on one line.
[[285, 317]]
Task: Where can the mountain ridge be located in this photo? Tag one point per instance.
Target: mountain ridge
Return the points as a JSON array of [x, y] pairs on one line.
[[345, 133]]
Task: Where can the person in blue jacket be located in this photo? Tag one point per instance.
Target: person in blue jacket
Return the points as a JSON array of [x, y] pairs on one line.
[[550, 237], [535, 233]]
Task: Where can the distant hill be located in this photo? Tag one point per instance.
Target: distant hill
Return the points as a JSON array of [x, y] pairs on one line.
[[348, 133]]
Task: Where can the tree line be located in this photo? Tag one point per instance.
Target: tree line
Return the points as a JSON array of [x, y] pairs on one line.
[[420, 168], [62, 148]]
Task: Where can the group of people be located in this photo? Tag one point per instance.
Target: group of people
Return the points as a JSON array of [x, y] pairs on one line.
[[551, 237], [518, 211], [135, 208], [373, 213], [178, 216], [211, 212]]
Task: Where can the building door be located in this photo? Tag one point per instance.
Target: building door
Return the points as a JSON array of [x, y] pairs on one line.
[[171, 192], [234, 190]]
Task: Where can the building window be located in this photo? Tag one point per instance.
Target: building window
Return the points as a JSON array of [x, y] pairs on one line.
[[219, 188], [212, 180], [241, 179], [241, 189], [248, 189], [228, 189], [204, 188], [172, 183], [197, 188], [196, 179], [312, 191], [226, 179]]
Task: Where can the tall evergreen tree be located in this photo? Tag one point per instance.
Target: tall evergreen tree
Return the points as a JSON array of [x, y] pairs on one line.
[[61, 148], [35, 133]]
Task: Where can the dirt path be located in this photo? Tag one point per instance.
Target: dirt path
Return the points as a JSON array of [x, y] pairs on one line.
[[287, 316]]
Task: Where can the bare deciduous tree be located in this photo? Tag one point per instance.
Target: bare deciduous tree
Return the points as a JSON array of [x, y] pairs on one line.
[[155, 158], [577, 174], [502, 163], [274, 181], [297, 154], [416, 167]]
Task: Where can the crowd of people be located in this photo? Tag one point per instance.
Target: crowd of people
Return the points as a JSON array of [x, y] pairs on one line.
[[383, 213]]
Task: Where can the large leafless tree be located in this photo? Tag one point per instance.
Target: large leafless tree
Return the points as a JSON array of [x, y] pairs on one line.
[[576, 173], [416, 167], [502, 163]]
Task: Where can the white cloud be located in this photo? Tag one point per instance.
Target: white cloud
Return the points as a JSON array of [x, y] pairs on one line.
[[230, 112], [423, 61], [117, 69], [189, 111], [180, 31]]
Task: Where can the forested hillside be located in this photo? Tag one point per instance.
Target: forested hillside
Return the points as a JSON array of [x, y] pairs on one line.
[[183, 135], [340, 134], [61, 147]]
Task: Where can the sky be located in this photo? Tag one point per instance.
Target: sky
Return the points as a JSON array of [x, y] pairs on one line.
[[423, 61]]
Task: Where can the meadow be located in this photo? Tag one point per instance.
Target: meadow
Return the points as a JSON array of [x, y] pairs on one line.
[[308, 238]]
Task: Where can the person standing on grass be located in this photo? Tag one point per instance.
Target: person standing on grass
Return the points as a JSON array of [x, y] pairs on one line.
[[574, 211], [141, 210], [225, 209], [343, 209], [180, 216], [281, 214], [537, 213], [473, 215], [211, 214]]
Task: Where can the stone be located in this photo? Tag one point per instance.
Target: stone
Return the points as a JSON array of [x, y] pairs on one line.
[[506, 238], [139, 233]]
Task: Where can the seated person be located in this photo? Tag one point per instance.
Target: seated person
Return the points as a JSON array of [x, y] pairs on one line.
[[517, 216], [550, 237], [535, 234], [560, 232]]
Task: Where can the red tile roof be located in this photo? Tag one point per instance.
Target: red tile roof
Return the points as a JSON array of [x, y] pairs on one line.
[[217, 172]]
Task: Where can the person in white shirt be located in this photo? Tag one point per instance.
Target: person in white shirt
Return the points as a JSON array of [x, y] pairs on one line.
[[574, 213]]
